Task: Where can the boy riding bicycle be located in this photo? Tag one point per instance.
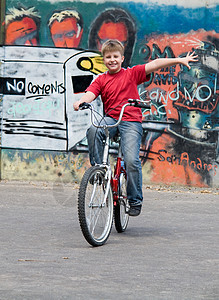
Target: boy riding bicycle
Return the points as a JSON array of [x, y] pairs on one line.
[[115, 87]]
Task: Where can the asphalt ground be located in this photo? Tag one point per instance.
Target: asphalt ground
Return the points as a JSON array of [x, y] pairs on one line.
[[171, 251]]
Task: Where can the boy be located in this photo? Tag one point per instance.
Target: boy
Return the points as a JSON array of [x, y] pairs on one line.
[[116, 86]]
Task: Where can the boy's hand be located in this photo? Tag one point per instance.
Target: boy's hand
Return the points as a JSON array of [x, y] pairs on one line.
[[76, 105], [189, 57], [87, 97]]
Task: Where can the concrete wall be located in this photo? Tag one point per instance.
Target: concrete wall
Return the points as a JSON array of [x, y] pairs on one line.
[[41, 75]]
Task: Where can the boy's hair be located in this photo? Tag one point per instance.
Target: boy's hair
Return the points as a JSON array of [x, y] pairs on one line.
[[112, 45]]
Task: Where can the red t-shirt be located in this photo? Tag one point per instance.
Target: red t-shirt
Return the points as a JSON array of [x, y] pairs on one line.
[[116, 89]]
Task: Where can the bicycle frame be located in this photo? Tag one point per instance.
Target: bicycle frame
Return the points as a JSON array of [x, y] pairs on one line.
[[118, 169]]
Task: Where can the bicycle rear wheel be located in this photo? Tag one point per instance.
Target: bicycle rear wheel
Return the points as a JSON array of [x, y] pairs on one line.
[[121, 216], [95, 207]]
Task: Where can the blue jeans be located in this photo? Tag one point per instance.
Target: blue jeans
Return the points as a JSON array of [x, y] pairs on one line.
[[130, 133]]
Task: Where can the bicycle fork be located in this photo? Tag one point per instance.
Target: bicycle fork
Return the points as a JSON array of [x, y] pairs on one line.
[[107, 178]]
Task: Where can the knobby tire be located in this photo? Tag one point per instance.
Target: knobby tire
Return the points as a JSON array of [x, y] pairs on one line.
[[121, 216], [95, 217]]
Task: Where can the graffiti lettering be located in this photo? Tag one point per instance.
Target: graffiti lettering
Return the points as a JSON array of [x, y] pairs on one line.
[[185, 159], [38, 107], [12, 86], [197, 93], [45, 89], [156, 52], [164, 79], [162, 97], [16, 86]]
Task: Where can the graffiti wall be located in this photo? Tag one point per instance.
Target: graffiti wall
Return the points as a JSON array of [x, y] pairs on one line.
[[51, 54]]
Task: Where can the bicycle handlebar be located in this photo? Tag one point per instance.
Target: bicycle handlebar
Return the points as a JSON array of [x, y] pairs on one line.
[[131, 102]]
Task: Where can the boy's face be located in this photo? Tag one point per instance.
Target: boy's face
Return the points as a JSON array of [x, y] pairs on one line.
[[113, 61]]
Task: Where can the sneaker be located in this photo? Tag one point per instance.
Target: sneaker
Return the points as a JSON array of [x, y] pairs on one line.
[[134, 211]]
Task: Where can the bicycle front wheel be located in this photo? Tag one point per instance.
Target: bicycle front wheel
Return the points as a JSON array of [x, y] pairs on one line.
[[121, 215], [95, 206]]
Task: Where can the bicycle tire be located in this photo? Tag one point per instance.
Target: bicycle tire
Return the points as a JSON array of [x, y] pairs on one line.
[[95, 217], [121, 216]]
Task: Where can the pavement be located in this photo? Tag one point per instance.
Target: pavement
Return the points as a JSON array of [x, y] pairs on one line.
[[171, 251]]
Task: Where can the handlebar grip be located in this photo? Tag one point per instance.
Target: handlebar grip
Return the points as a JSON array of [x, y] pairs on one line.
[[143, 105], [139, 104], [84, 105]]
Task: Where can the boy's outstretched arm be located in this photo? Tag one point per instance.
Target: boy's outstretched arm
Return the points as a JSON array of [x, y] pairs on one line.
[[87, 97], [160, 63]]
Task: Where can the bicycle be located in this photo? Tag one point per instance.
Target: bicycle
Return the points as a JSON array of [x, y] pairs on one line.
[[102, 193]]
